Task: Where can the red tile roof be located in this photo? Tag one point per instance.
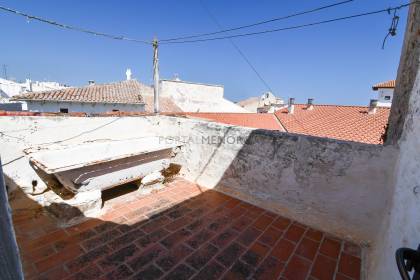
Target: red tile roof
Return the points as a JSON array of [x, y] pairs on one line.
[[254, 120], [387, 84], [129, 92], [350, 123]]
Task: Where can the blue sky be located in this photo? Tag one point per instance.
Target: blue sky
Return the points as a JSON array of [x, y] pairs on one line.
[[334, 63]]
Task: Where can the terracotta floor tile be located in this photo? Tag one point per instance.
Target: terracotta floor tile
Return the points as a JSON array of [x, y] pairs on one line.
[[183, 231]]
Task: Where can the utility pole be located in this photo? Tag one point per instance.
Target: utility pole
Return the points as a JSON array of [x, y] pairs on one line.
[[156, 75]]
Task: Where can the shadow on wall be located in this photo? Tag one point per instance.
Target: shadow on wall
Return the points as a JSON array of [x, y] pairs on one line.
[[332, 185]]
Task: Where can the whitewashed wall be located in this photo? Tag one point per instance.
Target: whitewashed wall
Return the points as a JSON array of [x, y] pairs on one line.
[[83, 107], [401, 226], [193, 97], [382, 93]]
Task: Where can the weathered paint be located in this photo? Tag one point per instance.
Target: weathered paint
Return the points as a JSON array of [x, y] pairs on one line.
[[59, 158], [340, 187], [401, 227]]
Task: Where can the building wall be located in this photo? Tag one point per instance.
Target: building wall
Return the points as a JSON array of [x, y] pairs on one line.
[[338, 187], [383, 93], [401, 226], [335, 186], [11, 88], [194, 90], [192, 97], [82, 107]]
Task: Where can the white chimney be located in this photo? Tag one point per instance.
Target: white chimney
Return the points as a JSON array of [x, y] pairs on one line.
[[128, 74], [373, 105], [91, 82], [310, 105], [29, 85], [291, 107]]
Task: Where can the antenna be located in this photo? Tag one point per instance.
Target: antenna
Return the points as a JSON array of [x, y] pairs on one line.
[[5, 71]]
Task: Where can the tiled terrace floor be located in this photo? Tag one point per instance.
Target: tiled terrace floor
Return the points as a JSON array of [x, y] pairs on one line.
[[182, 232]]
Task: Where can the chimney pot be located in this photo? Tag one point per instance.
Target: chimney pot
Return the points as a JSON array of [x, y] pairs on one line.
[[91, 82], [373, 105], [291, 107], [310, 104]]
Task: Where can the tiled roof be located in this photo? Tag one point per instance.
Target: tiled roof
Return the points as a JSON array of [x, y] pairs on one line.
[[387, 84], [128, 92], [350, 123], [254, 120]]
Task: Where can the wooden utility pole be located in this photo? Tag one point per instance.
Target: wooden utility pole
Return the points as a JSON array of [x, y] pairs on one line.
[[156, 75]]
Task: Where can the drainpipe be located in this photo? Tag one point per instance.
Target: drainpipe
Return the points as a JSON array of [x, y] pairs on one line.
[[10, 265]]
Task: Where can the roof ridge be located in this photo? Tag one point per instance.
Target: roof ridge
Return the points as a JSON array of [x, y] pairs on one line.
[[338, 105]]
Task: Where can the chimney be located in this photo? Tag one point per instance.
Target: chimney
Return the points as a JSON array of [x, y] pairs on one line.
[[29, 84], [91, 82], [373, 105], [291, 107], [128, 74], [310, 105]]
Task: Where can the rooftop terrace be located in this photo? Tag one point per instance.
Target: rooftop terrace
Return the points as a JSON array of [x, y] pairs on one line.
[[184, 231]]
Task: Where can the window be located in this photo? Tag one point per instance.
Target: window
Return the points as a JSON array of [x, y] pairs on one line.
[[64, 110], [387, 97], [115, 110]]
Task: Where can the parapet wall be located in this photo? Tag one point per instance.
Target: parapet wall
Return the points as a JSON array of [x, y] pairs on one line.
[[338, 187]]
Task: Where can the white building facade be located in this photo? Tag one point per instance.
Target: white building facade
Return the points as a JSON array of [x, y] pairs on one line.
[[87, 107], [197, 97], [385, 93]]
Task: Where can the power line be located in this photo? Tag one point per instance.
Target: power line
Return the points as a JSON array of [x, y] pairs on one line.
[[293, 27], [75, 28], [236, 47], [258, 23]]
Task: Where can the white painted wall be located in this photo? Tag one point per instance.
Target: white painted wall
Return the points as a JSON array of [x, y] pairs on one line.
[[11, 88], [194, 97], [383, 93], [401, 226], [92, 108], [336, 186]]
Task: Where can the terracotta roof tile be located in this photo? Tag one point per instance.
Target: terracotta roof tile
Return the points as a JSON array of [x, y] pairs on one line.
[[350, 123], [387, 84], [254, 120], [129, 92]]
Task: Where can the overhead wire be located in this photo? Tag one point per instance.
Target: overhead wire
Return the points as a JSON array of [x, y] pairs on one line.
[[240, 52], [75, 28], [292, 27], [257, 23]]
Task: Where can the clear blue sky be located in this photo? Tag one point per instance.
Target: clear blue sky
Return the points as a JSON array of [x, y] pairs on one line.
[[335, 63]]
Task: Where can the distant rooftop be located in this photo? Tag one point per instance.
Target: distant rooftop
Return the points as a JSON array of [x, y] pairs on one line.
[[387, 84], [125, 92], [350, 123], [254, 120]]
